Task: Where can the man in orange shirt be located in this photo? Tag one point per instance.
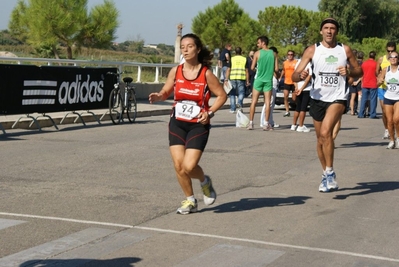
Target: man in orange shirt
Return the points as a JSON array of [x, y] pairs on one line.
[[289, 86]]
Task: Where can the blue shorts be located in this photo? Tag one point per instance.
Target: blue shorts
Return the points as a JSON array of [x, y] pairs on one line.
[[381, 93]]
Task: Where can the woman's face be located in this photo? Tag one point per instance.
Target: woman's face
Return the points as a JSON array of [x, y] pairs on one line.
[[188, 48], [393, 58]]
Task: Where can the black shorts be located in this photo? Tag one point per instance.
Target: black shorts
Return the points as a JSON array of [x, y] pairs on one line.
[[188, 134], [302, 101], [318, 108], [290, 87], [355, 89]]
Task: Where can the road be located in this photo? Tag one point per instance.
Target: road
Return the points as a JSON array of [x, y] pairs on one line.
[[106, 195]]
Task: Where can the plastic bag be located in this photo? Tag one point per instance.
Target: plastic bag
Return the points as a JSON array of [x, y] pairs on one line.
[[262, 116], [242, 121]]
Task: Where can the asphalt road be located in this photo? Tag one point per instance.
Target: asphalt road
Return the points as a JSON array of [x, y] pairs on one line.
[[106, 195]]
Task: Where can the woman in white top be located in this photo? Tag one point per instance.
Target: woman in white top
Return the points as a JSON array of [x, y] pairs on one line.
[[302, 92], [390, 75]]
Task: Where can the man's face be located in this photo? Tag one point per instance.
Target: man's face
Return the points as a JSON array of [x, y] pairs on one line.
[[329, 32], [390, 49], [251, 54]]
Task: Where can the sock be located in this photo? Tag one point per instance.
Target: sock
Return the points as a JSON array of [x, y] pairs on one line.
[[329, 170], [251, 122], [205, 181], [266, 123], [191, 198]]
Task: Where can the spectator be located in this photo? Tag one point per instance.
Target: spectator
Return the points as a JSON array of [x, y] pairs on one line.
[[369, 87], [265, 60], [355, 89], [224, 61], [251, 73], [239, 78], [288, 69]]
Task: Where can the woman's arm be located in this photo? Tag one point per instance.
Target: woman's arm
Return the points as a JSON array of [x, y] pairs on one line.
[[166, 89]]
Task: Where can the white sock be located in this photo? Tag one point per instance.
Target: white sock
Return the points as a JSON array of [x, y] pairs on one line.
[[329, 170], [251, 122], [191, 198]]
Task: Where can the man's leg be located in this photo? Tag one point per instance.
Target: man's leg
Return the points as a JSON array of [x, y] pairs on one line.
[[255, 97], [373, 103], [286, 105], [241, 92], [365, 96], [267, 95]]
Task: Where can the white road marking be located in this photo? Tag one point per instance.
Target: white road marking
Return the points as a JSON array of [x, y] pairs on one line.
[[4, 223], [314, 249]]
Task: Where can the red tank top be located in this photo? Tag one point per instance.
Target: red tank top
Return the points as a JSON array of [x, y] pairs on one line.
[[193, 91]]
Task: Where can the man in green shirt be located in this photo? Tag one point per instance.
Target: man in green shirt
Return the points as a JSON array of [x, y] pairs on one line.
[[266, 64]]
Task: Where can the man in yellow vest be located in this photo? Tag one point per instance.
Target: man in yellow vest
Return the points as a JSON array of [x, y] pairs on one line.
[[238, 75], [382, 63]]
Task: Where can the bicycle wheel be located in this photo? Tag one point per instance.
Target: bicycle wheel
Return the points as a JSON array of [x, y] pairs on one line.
[[115, 106], [131, 109]]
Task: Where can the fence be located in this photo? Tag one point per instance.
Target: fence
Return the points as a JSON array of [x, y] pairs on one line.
[[37, 85]]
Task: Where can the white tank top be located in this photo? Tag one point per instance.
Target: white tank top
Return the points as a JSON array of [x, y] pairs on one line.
[[392, 82], [328, 84]]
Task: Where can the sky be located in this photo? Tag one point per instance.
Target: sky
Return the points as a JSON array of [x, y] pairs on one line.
[[155, 21]]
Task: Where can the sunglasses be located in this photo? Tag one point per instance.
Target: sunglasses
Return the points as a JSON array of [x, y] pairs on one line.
[[390, 51], [290, 54], [393, 57]]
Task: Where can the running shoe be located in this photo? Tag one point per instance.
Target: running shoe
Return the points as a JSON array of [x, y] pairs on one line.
[[276, 125], [331, 182], [209, 192], [267, 127], [303, 129], [323, 185], [187, 207], [293, 127], [250, 126], [287, 114], [386, 134], [391, 145]]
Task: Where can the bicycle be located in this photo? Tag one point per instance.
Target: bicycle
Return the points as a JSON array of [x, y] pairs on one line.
[[122, 100]]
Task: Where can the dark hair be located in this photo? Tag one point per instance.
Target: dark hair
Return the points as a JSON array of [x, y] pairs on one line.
[[391, 44], [264, 39], [329, 20], [204, 56], [372, 54], [238, 50], [274, 49]]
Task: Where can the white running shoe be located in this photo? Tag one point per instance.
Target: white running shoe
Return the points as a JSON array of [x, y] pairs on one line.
[[331, 181], [391, 145], [187, 207], [293, 127], [276, 125], [323, 185], [386, 134], [302, 129]]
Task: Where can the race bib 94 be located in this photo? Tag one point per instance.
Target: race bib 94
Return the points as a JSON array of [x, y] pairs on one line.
[[186, 110]]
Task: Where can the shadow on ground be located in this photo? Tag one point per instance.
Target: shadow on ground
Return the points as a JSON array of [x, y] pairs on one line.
[[119, 262], [367, 188], [245, 204]]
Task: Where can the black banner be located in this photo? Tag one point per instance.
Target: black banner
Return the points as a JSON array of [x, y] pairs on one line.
[[26, 89]]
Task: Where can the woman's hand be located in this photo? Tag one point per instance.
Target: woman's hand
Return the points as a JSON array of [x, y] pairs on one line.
[[203, 118], [154, 97]]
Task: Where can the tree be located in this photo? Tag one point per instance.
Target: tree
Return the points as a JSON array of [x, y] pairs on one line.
[[364, 18], [225, 23], [298, 25], [50, 23]]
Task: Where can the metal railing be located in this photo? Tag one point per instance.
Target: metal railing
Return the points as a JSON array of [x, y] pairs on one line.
[[82, 63]]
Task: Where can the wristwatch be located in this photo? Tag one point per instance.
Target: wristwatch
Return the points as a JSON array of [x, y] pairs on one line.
[[211, 114]]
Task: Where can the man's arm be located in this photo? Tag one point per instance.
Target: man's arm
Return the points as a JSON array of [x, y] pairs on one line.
[[255, 60], [354, 70], [300, 72]]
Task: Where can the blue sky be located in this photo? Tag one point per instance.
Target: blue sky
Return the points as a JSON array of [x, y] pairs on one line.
[[155, 21]]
